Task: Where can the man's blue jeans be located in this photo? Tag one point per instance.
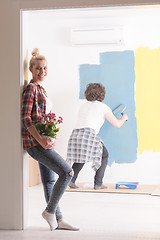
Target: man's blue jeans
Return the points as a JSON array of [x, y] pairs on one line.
[[50, 163]]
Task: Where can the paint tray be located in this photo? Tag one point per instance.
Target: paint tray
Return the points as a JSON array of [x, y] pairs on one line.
[[132, 185]]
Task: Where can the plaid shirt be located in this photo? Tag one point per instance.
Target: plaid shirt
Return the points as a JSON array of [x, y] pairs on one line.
[[85, 146], [33, 106]]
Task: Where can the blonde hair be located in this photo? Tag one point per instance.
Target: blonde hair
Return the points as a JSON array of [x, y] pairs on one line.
[[36, 56]]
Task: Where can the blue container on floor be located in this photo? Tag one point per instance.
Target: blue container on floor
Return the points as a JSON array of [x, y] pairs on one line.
[[132, 185]]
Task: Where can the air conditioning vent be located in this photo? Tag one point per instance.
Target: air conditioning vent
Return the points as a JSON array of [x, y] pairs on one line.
[[96, 36]]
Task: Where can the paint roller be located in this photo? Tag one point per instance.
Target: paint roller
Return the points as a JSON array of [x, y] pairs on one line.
[[119, 109]]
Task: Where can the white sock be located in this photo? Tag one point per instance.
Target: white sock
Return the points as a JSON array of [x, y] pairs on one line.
[[66, 226], [51, 219]]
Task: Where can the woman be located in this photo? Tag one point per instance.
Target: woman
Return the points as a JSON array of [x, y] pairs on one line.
[[84, 144], [35, 103]]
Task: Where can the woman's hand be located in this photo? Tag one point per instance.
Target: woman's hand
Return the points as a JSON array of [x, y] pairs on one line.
[[124, 117], [46, 142]]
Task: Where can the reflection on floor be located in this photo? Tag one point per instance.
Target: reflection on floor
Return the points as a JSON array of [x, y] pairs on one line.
[[102, 216]]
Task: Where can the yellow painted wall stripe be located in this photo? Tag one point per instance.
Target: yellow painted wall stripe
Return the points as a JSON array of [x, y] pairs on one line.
[[147, 96], [26, 68]]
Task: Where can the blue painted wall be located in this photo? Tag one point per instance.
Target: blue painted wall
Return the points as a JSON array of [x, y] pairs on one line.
[[116, 73]]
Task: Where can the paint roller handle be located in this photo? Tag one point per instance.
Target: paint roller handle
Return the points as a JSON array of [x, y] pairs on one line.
[[123, 114]]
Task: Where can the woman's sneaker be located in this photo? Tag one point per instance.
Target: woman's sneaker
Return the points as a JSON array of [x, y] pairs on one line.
[[97, 187], [72, 185]]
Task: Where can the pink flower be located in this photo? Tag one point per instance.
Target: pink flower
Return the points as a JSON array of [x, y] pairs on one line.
[[47, 120]]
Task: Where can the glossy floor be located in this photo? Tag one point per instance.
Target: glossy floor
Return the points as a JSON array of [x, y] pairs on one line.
[[99, 216]]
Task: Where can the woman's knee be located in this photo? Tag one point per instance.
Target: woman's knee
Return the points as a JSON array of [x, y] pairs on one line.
[[68, 174], [71, 173]]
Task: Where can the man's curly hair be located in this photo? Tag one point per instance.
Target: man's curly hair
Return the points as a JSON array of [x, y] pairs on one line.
[[95, 92]]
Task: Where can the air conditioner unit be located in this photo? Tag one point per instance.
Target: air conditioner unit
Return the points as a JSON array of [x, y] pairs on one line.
[[112, 35]]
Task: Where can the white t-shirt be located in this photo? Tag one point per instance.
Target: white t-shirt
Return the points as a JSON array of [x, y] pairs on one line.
[[49, 105], [92, 115]]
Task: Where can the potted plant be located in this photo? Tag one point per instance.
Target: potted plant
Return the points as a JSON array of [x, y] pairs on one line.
[[49, 125]]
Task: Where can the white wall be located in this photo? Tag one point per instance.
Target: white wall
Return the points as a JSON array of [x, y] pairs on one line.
[[141, 28], [11, 200]]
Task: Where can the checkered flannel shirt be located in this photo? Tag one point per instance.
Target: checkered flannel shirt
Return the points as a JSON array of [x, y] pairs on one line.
[[33, 106], [85, 146]]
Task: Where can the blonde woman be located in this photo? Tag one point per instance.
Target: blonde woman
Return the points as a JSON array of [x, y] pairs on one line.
[[35, 102]]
